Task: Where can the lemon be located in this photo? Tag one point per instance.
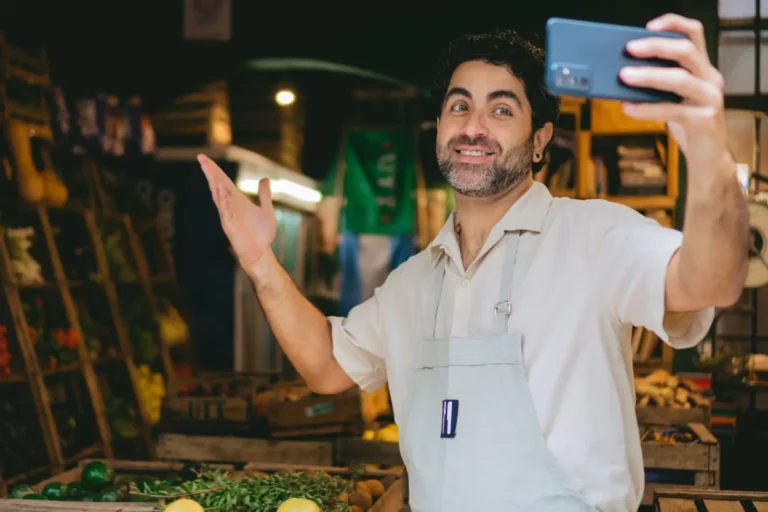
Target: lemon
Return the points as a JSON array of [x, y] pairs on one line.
[[184, 505], [369, 435], [298, 505], [389, 434]]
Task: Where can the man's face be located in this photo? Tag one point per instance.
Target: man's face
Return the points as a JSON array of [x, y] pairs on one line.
[[484, 139]]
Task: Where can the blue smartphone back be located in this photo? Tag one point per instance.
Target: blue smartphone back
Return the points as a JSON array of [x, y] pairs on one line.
[[584, 58]]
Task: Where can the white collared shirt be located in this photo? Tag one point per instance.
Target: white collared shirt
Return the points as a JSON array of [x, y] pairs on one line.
[[586, 272]]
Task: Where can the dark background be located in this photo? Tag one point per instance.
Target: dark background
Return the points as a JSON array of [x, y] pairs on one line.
[[137, 47]]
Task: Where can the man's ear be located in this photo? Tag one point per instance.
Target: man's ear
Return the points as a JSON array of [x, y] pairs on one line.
[[540, 140]]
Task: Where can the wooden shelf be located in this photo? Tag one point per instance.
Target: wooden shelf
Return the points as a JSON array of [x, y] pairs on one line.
[[67, 368], [25, 476], [84, 454], [600, 118], [58, 282], [13, 378]]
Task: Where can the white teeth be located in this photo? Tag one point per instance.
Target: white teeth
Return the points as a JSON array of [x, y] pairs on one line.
[[473, 153]]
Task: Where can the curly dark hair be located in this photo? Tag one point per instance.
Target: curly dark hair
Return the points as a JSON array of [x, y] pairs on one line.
[[503, 48]]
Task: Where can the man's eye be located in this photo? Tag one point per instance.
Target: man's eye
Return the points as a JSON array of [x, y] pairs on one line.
[[459, 107], [503, 111]]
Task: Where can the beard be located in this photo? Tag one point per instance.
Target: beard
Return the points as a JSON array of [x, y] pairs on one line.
[[507, 169]]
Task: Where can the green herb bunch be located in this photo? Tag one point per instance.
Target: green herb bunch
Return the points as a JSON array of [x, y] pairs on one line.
[[216, 493]]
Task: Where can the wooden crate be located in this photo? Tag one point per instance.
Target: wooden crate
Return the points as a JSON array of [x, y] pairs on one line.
[[233, 400], [698, 461], [651, 415], [354, 450], [391, 501], [346, 412], [243, 449], [201, 118], [317, 414], [693, 500]]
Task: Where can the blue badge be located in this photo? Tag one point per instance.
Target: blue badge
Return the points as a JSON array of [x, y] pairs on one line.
[[450, 417]]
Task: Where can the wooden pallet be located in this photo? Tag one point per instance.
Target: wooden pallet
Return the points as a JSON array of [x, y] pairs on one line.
[[242, 449], [652, 415], [700, 460], [391, 501], [700, 500]]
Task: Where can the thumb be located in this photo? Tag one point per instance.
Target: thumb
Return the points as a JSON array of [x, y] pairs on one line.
[[265, 195]]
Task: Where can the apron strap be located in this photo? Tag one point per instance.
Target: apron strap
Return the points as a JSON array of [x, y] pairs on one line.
[[433, 299], [503, 307]]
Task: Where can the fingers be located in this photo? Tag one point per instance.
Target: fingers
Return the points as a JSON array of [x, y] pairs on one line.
[[676, 80], [217, 180], [681, 51], [692, 29], [224, 204], [671, 112], [265, 195]]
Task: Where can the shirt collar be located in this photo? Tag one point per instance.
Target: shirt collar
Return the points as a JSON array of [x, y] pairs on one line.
[[526, 214]]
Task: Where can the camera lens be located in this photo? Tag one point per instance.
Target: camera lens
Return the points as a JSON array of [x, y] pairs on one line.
[[584, 81]]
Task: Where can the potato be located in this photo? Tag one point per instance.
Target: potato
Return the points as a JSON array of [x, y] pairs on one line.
[[362, 499], [376, 488]]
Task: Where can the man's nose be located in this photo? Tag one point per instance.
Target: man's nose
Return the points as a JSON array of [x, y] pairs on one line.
[[475, 125]]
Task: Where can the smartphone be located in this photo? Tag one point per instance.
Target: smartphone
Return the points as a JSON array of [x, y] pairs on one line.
[[583, 58]]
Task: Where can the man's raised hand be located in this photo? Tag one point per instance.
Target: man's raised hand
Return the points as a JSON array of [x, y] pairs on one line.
[[251, 229]]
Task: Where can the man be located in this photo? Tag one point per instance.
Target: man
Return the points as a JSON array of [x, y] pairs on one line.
[[506, 342]]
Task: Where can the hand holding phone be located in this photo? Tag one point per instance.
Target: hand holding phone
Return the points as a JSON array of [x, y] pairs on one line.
[[661, 73], [585, 58]]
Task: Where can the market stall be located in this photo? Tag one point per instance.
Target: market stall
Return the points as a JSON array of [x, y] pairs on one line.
[[115, 485]]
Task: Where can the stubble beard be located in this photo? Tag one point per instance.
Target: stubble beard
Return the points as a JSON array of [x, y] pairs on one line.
[[484, 180]]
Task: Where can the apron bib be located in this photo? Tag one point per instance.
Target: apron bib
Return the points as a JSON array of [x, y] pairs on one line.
[[470, 437]]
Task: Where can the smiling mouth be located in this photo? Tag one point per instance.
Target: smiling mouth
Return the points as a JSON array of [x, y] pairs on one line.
[[473, 152]]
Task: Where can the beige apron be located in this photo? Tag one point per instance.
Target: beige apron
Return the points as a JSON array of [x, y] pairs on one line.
[[470, 437]]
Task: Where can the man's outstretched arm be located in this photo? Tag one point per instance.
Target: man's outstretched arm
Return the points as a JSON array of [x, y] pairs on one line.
[[303, 332]]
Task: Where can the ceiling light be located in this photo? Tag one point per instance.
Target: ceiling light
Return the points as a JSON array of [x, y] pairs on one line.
[[285, 97]]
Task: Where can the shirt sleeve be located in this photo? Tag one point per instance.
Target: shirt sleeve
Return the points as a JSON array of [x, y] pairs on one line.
[[359, 345], [633, 257]]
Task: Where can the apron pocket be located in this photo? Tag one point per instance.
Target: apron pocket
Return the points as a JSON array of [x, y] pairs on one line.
[[442, 353]]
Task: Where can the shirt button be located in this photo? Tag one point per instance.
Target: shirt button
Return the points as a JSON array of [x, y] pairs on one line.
[[465, 283]]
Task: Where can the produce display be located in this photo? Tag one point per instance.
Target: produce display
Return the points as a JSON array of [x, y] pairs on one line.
[[199, 488], [26, 268], [5, 355], [120, 268], [174, 330], [54, 340], [152, 391], [666, 435], [139, 318], [388, 433], [662, 389]]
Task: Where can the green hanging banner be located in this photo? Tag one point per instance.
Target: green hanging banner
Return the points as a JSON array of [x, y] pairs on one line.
[[379, 182]]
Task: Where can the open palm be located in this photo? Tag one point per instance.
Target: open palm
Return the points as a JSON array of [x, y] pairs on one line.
[[251, 229]]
